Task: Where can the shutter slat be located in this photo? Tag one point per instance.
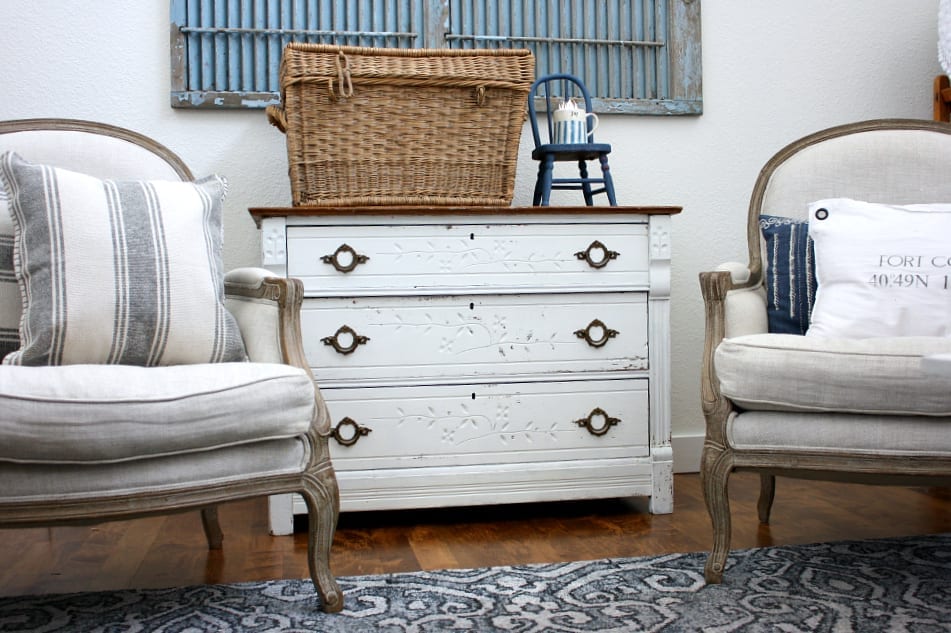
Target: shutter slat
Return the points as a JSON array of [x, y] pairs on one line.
[[233, 58], [247, 47], [193, 50], [260, 46]]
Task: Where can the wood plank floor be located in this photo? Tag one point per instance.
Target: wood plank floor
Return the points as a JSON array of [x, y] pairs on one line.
[[171, 551]]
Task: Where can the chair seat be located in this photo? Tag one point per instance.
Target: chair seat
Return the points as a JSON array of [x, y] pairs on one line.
[[787, 372], [97, 414], [571, 151]]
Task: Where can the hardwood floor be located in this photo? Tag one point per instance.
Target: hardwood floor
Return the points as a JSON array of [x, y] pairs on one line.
[[171, 551]]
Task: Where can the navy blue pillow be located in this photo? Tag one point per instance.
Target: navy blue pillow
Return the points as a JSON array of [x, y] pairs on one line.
[[790, 275]]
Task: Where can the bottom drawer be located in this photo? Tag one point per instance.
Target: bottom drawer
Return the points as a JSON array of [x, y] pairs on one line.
[[421, 426]]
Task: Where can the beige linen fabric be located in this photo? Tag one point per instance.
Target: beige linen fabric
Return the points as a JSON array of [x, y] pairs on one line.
[[109, 413], [792, 372]]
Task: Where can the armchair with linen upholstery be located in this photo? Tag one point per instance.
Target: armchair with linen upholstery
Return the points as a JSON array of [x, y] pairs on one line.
[[94, 424], [835, 389]]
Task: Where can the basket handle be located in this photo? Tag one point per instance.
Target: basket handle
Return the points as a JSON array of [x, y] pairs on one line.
[[277, 117], [343, 76]]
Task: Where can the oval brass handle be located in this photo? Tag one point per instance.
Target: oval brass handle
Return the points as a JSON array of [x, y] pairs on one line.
[[354, 258], [349, 438], [355, 340], [606, 333], [596, 414], [606, 255]]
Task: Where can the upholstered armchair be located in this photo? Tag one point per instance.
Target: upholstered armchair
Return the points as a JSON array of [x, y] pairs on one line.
[[137, 377], [848, 218]]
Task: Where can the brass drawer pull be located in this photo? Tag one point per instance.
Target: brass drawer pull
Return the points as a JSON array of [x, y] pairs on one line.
[[355, 340], [606, 333], [605, 256], [598, 414], [352, 437], [353, 258]]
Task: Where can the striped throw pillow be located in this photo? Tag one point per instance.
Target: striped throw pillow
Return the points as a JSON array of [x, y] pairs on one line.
[[790, 275], [9, 291], [118, 272]]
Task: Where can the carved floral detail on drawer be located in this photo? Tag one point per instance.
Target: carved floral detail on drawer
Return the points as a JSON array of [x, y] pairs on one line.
[[451, 256], [463, 333], [459, 427]]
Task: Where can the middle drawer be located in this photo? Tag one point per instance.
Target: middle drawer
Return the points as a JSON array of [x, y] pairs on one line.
[[350, 339]]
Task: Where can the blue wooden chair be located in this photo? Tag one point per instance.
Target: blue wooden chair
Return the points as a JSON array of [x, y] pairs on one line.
[[553, 90]]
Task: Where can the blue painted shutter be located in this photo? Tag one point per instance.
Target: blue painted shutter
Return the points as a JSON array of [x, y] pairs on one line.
[[617, 47], [640, 56], [227, 52]]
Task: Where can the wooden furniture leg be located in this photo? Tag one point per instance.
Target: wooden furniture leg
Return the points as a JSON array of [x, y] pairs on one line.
[[942, 98]]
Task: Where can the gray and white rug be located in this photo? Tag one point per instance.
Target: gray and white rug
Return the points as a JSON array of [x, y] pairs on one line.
[[876, 585]]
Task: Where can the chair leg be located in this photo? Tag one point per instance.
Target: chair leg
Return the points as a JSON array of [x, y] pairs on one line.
[[767, 491], [322, 497], [608, 180], [209, 522], [942, 98], [585, 185], [543, 184], [537, 196], [716, 466]]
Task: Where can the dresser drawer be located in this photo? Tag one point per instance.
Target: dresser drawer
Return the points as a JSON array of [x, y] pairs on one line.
[[357, 260], [488, 423], [478, 335]]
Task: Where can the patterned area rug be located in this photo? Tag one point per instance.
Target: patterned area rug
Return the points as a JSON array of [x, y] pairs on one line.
[[877, 585]]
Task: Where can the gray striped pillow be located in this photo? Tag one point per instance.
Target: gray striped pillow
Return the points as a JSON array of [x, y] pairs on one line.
[[119, 272], [9, 291]]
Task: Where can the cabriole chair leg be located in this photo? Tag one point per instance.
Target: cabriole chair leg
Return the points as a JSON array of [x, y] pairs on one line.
[[715, 475], [322, 498]]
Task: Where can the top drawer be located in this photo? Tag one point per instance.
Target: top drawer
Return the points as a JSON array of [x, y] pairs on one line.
[[335, 260]]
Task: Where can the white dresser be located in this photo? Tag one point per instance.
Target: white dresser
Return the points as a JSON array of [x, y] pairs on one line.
[[474, 355]]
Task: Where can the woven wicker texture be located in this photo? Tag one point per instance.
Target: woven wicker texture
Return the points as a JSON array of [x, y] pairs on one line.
[[372, 126]]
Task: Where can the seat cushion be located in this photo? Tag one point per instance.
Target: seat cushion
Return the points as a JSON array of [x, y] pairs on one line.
[[111, 413], [791, 372], [858, 434], [39, 483]]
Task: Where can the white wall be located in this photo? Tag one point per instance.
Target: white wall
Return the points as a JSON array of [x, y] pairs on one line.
[[772, 72]]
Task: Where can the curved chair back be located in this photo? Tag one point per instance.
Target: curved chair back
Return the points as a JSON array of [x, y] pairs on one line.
[[97, 149], [549, 91], [896, 161]]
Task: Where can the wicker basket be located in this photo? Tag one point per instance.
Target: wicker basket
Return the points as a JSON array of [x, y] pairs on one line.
[[376, 126]]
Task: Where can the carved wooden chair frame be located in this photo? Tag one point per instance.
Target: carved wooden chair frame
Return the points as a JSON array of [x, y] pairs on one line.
[[316, 483], [719, 459]]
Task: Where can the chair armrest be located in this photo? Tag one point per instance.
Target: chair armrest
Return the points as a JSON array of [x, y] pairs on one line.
[[744, 304], [715, 287], [267, 309]]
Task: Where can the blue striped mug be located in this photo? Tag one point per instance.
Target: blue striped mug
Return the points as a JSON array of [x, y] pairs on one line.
[[570, 125]]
